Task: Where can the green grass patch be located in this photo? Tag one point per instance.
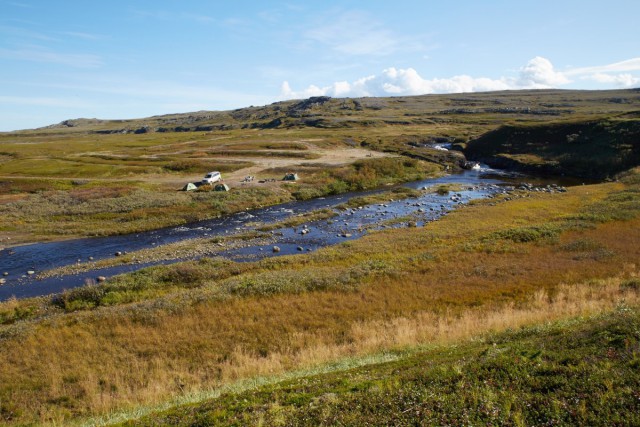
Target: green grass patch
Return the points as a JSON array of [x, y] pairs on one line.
[[198, 165], [540, 233], [364, 175]]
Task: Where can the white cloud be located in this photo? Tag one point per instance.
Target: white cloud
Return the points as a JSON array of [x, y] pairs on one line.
[[632, 64], [398, 82], [620, 80], [538, 73]]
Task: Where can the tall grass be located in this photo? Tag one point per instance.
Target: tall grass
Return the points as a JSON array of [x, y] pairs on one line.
[[405, 333], [576, 371]]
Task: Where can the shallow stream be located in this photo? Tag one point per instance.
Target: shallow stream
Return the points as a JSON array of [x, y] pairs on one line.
[[23, 263]]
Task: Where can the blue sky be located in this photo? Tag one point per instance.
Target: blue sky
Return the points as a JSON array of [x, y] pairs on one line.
[[128, 59]]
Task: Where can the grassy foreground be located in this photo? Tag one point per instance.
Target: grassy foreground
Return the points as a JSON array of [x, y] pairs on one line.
[[580, 371]]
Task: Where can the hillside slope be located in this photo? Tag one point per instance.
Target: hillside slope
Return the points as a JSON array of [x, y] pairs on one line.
[[577, 372], [591, 149], [483, 109]]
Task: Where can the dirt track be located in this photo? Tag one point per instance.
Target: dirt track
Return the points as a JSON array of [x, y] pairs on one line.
[[330, 157]]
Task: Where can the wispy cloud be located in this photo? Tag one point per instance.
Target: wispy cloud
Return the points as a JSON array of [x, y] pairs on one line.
[[617, 74], [44, 101], [357, 33], [77, 60], [81, 35], [23, 33], [156, 92], [19, 4], [203, 19], [163, 15], [620, 80], [538, 73], [270, 16], [632, 64]]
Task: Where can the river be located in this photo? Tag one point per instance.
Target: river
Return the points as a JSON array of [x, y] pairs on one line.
[[18, 262]]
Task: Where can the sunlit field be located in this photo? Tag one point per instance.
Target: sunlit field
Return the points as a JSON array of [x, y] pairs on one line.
[[434, 322]]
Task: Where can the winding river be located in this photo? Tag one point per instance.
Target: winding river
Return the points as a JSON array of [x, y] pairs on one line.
[[23, 263]]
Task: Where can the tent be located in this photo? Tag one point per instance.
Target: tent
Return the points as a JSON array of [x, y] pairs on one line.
[[290, 177], [221, 187], [189, 187]]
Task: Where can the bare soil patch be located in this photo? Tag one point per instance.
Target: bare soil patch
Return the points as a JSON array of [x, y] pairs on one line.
[[329, 157]]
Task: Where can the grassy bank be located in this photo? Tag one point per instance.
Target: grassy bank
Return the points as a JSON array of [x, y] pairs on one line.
[[96, 208], [580, 371]]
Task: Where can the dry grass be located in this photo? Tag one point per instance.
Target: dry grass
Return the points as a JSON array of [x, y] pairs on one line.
[[113, 383]]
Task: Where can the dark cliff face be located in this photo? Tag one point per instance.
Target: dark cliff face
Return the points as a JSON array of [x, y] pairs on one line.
[[592, 149]]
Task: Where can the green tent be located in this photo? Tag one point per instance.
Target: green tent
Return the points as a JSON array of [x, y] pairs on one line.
[[221, 187], [189, 187]]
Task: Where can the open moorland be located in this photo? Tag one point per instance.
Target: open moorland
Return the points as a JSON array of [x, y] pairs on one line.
[[521, 309], [96, 177]]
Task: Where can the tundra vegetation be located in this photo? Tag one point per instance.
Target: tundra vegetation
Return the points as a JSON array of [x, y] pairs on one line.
[[512, 310]]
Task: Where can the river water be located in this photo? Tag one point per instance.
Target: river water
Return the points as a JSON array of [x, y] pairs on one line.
[[19, 261]]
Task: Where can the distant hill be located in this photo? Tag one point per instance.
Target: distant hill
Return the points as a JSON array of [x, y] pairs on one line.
[[326, 112]]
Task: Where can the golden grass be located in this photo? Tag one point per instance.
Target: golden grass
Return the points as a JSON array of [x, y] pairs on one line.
[[310, 349]]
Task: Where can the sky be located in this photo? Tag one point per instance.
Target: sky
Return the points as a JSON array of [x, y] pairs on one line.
[[121, 59]]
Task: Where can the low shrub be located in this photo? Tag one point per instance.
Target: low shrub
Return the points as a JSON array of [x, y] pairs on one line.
[[546, 232], [81, 298]]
